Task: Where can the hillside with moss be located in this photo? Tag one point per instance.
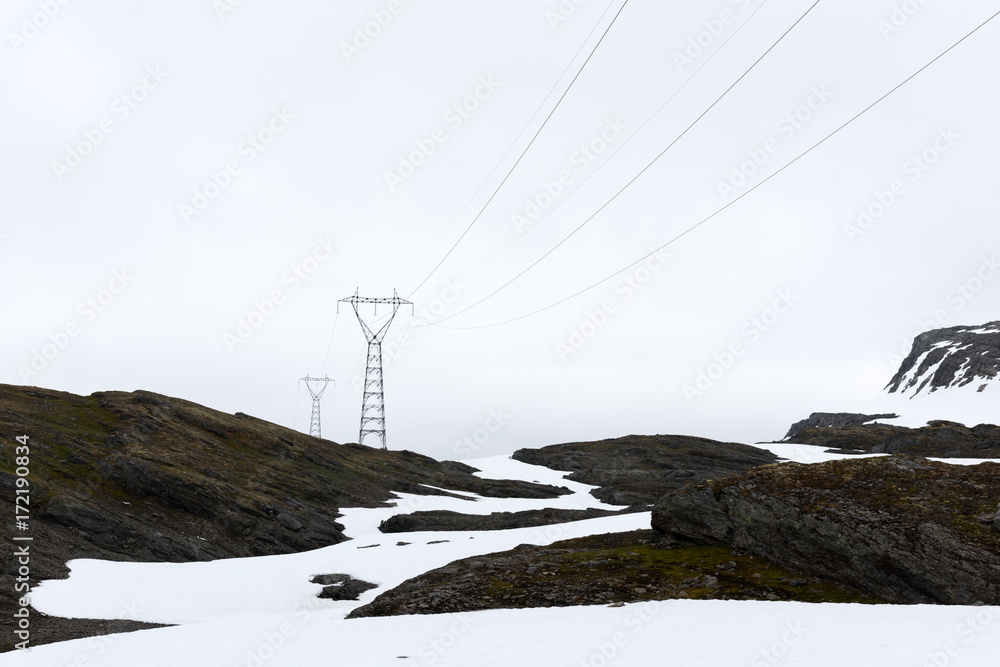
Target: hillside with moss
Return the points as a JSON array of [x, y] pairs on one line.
[[604, 569], [904, 528], [144, 477]]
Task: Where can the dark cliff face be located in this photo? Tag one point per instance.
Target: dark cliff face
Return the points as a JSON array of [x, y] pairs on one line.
[[953, 357], [905, 529]]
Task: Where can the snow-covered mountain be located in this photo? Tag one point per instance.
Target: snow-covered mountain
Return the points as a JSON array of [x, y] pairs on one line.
[[953, 357]]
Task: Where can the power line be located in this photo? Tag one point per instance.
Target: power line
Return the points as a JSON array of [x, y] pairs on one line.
[[524, 152], [520, 134], [330, 346], [617, 150], [643, 171], [750, 190]]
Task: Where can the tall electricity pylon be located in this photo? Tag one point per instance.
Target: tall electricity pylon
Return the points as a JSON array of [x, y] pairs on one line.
[[314, 425], [373, 401]]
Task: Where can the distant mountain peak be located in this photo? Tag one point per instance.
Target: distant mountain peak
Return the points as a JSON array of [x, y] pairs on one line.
[[953, 357]]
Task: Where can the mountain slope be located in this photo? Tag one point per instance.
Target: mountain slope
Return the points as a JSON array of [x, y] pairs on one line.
[[143, 477], [953, 357]]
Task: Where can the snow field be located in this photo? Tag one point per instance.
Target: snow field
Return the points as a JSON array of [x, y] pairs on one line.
[[262, 612]]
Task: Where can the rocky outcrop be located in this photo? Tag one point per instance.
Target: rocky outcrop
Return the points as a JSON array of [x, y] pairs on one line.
[[943, 439], [437, 520], [341, 586], [905, 529], [641, 468], [601, 569], [143, 477], [833, 420], [952, 357]]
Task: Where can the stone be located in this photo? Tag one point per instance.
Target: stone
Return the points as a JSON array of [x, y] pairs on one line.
[[289, 521]]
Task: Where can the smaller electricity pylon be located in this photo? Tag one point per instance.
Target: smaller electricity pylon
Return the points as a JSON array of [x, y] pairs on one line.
[[314, 425], [373, 401]]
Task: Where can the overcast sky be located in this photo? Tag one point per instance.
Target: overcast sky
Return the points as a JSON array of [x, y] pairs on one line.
[[189, 187]]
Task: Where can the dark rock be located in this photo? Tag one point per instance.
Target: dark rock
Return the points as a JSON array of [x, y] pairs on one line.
[[601, 569], [639, 469], [939, 438], [438, 520], [834, 420], [952, 357], [68, 511], [898, 527], [289, 521], [348, 589]]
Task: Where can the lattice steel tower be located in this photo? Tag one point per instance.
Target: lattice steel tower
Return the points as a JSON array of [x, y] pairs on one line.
[[373, 400], [314, 425]]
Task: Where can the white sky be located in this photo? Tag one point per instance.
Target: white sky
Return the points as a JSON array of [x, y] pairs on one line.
[[338, 121]]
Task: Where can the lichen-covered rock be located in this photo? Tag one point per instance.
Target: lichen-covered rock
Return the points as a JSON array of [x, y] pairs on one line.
[[902, 528], [640, 468], [940, 438], [834, 420], [611, 569]]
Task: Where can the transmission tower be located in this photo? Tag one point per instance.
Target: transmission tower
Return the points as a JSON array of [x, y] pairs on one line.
[[314, 425], [373, 400]]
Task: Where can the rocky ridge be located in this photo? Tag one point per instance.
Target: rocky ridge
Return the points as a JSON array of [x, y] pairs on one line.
[[144, 477], [952, 357], [602, 569], [439, 520], [904, 529], [639, 469], [940, 438], [838, 420]]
